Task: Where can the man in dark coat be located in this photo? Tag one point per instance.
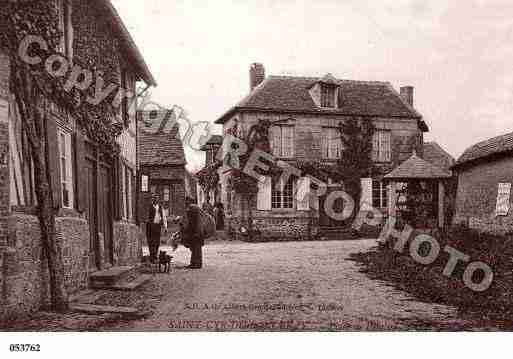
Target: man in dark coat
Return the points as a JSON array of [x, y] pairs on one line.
[[192, 238], [156, 219]]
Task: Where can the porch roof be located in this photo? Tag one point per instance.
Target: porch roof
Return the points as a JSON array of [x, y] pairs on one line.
[[417, 168]]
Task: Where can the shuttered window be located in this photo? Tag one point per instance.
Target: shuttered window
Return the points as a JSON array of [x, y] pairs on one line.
[[282, 141], [381, 146], [66, 169], [331, 145]]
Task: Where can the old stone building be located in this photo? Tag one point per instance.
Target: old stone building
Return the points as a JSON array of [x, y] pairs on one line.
[[306, 112], [485, 174], [161, 166], [93, 188]]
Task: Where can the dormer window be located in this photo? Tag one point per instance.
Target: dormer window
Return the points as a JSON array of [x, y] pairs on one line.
[[328, 95]]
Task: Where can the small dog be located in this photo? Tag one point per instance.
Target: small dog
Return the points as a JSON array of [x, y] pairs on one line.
[[165, 261]]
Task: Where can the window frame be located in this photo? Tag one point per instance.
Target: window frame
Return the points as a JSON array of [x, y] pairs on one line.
[[281, 195], [328, 96], [383, 194], [280, 140], [379, 153], [328, 141], [66, 171]]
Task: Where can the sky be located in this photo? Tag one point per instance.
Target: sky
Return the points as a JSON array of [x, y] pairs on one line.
[[458, 55]]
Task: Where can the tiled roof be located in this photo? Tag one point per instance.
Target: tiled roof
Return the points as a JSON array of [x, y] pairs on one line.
[[287, 93], [161, 148], [417, 168], [495, 145], [127, 39], [437, 156]]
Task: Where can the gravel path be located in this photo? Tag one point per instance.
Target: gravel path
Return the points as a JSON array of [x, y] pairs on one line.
[[286, 286]]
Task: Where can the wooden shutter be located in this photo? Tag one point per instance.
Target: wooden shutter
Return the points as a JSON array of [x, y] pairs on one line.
[[366, 197], [276, 141], [288, 141], [264, 195], [80, 178], [303, 194], [324, 142], [118, 188], [52, 153], [387, 147], [375, 146]]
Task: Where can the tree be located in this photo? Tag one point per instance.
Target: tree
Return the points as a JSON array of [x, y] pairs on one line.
[[355, 161]]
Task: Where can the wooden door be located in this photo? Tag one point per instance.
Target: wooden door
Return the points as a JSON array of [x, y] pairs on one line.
[[105, 213], [91, 214]]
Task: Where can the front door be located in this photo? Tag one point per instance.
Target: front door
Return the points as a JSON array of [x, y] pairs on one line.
[[105, 214], [90, 213]]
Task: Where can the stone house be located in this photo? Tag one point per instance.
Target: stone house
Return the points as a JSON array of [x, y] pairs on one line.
[[485, 174], [93, 189], [306, 112], [162, 170]]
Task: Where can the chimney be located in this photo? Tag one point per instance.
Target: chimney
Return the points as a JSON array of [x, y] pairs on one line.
[[256, 75], [407, 94]]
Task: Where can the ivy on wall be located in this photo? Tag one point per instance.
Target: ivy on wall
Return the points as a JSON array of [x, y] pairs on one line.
[[95, 49]]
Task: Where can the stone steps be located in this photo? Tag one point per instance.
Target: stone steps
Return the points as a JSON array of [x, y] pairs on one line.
[[113, 277], [102, 309]]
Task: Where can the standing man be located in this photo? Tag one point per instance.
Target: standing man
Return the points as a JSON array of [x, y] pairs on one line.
[[192, 237], [156, 218]]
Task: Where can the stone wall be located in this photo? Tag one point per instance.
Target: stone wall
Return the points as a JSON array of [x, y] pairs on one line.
[[127, 243], [476, 197], [24, 273]]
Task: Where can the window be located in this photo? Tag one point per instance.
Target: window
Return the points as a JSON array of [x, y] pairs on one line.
[[66, 170], [331, 143], [381, 146], [282, 141], [327, 96], [282, 196], [144, 183], [379, 195]]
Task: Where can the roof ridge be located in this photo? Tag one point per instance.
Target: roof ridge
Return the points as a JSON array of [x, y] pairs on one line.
[[371, 82], [484, 142]]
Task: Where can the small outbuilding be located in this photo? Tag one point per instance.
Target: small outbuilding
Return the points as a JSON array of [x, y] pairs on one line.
[[485, 175]]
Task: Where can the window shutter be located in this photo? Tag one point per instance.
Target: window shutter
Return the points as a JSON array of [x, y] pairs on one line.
[[81, 180], [118, 188], [288, 141], [366, 197], [303, 194], [264, 195], [387, 146], [52, 153], [324, 142], [276, 141], [375, 146]]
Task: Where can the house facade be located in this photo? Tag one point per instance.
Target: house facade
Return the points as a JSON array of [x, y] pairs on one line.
[[306, 112], [93, 188], [162, 163], [485, 175]]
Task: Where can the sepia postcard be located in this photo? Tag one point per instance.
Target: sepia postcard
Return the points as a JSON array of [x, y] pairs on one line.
[[255, 166]]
